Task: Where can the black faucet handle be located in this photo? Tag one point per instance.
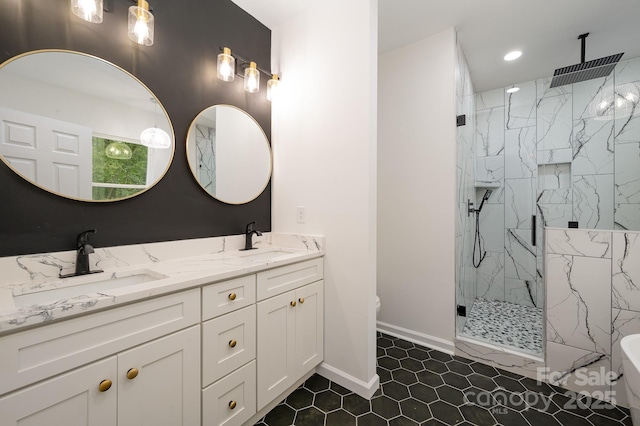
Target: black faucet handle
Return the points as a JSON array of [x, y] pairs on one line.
[[249, 227], [83, 237]]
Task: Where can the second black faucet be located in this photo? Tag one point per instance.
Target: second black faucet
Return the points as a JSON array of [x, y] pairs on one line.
[[248, 235]]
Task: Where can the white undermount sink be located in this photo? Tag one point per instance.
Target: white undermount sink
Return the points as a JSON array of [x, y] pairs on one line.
[[85, 284], [262, 254]]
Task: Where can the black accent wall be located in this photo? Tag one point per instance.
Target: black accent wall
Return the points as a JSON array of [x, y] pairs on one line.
[[180, 69]]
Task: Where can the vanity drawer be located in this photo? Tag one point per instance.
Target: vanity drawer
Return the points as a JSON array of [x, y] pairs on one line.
[[238, 387], [33, 355], [227, 296], [228, 342], [280, 280]]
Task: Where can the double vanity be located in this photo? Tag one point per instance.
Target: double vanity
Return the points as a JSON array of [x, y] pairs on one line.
[[170, 336]]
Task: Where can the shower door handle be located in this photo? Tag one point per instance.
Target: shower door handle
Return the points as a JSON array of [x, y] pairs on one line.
[[533, 230]]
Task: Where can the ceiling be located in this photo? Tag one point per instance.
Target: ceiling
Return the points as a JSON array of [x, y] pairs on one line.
[[545, 31]]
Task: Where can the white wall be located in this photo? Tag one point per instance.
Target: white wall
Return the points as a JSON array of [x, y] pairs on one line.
[[324, 145], [417, 189]]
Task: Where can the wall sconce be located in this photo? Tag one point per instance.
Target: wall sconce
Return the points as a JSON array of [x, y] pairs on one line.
[[141, 23], [89, 10], [226, 72], [272, 87]]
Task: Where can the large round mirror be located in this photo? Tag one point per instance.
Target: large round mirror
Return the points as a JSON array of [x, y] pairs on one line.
[[81, 127], [229, 154]]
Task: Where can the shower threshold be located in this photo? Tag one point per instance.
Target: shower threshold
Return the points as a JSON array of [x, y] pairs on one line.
[[516, 327]]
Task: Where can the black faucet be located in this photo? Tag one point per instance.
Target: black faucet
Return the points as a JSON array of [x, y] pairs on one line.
[[248, 234], [82, 255]]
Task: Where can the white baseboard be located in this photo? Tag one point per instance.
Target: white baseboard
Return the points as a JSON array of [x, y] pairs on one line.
[[364, 389], [432, 342]]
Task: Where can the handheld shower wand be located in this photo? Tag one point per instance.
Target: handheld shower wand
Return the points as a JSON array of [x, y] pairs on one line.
[[477, 240], [486, 196]]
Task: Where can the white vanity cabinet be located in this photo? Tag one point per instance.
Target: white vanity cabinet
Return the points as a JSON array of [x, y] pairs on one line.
[[290, 326], [125, 366]]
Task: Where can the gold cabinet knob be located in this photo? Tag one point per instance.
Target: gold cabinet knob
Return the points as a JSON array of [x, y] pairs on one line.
[[132, 373], [301, 300], [105, 385], [293, 303], [232, 296], [232, 404], [232, 343]]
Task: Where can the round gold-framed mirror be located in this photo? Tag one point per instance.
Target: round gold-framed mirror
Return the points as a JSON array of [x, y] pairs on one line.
[[74, 124], [229, 154]]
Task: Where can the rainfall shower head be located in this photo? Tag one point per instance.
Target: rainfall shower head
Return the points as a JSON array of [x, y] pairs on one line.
[[585, 70]]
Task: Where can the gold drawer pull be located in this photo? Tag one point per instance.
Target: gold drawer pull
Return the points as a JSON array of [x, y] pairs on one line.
[[104, 385], [232, 404], [301, 300], [293, 303], [232, 296], [132, 373], [232, 343]]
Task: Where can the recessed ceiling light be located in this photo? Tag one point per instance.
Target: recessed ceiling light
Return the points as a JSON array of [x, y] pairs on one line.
[[513, 90], [512, 55]]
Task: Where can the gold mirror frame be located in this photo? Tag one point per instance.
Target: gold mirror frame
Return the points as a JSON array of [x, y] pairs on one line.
[[110, 77], [264, 166]]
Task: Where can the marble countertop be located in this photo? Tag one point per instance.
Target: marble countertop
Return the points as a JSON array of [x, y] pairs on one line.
[[38, 301]]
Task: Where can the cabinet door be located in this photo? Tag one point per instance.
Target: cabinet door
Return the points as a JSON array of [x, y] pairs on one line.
[[276, 346], [72, 399], [309, 327], [166, 389]]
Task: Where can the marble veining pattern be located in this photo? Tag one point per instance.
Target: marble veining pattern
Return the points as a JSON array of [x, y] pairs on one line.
[[626, 271], [206, 157], [505, 323]]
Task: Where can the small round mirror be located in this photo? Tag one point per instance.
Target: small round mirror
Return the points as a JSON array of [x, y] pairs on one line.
[[72, 125], [229, 154]]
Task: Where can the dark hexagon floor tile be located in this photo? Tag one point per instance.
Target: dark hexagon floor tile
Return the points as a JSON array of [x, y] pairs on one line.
[[309, 417], [506, 416], [536, 386], [404, 376], [355, 404], [371, 419], [569, 419], [384, 374], [540, 402], [396, 353], [419, 354], [598, 420], [433, 422], [429, 378], [440, 356], [482, 382], [412, 364], [340, 418], [535, 417], [485, 370], [509, 384], [380, 352], [459, 367], [435, 366], [415, 410], [281, 415], [403, 344], [339, 389], [395, 390], [423, 393], [385, 407], [456, 380], [445, 412], [509, 374], [383, 342], [327, 401], [300, 398], [402, 421], [604, 408], [388, 363], [316, 383], [477, 415], [451, 395]]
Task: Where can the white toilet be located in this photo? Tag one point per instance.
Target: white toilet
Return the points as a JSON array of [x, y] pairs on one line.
[[377, 305]]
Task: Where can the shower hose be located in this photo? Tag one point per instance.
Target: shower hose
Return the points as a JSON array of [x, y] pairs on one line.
[[477, 248]]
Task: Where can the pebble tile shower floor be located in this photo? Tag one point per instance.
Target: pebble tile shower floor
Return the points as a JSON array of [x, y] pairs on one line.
[[421, 386]]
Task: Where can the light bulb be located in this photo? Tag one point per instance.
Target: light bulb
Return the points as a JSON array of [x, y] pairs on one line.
[[141, 30], [272, 87], [89, 10], [251, 78], [226, 65]]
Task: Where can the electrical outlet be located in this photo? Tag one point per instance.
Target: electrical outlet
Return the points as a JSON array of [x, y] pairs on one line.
[[301, 214]]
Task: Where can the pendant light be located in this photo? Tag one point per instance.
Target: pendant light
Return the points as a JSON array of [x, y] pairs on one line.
[[226, 65], [252, 78], [141, 23], [154, 137], [89, 10], [272, 87], [118, 151]]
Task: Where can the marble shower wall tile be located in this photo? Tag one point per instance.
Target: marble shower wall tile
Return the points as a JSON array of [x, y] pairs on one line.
[[492, 227], [490, 132], [624, 324], [520, 153], [490, 277], [554, 122], [627, 71], [587, 94], [627, 129], [554, 156], [519, 200], [206, 157], [593, 142], [544, 89], [593, 201], [489, 99], [626, 271], [627, 216], [554, 215], [578, 242], [554, 176], [520, 107], [520, 255], [579, 302], [555, 196], [627, 173], [522, 292]]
